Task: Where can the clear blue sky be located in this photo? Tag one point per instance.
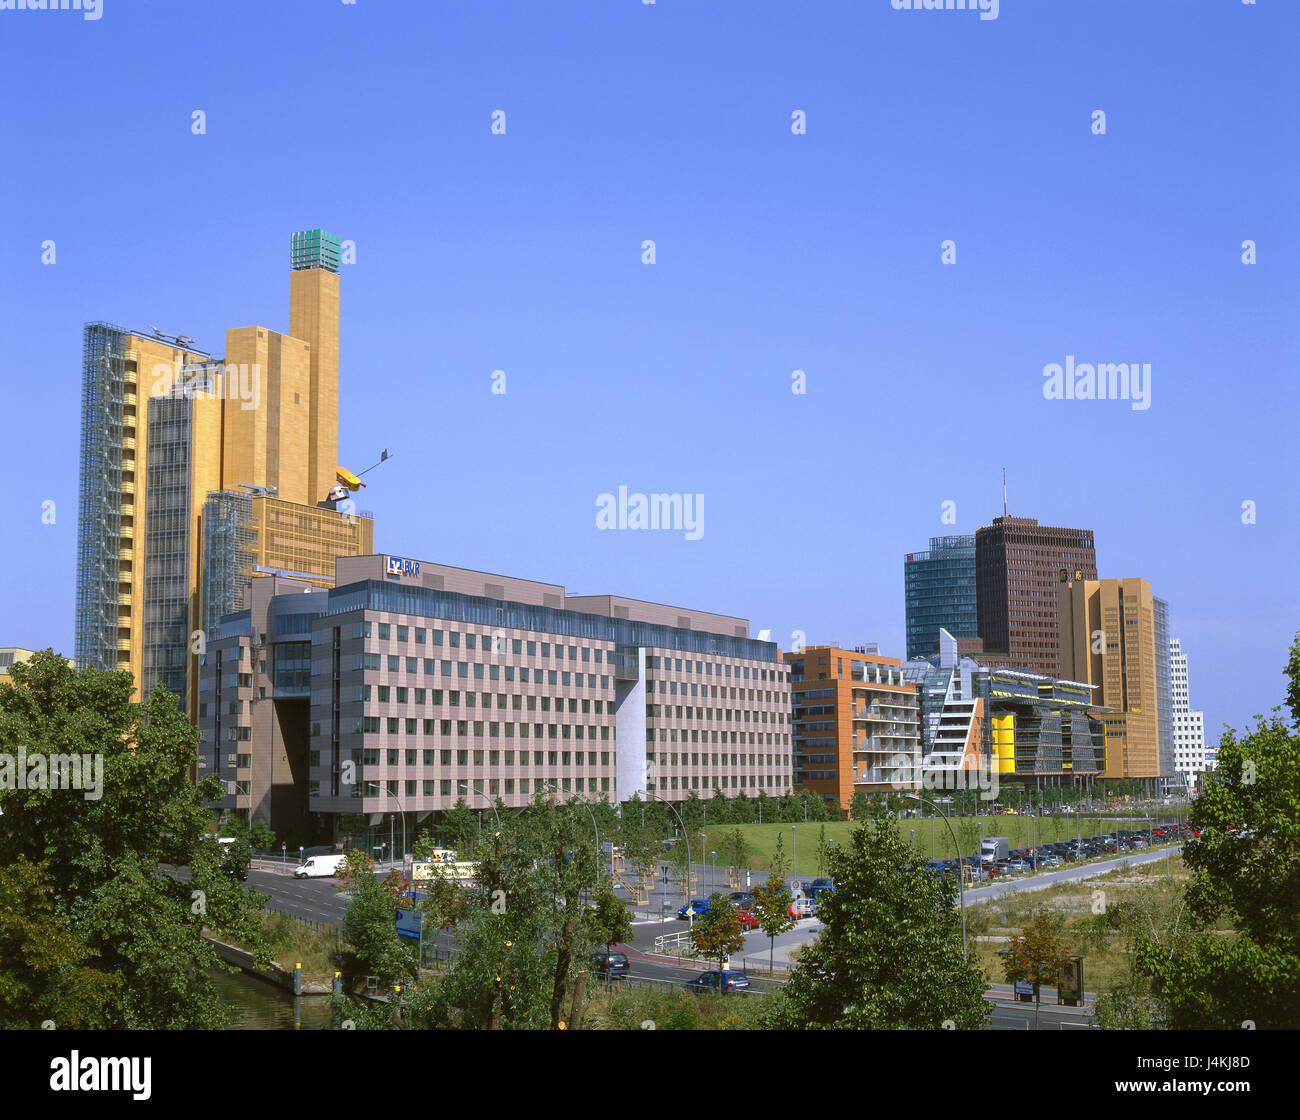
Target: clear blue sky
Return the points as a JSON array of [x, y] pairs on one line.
[[776, 252]]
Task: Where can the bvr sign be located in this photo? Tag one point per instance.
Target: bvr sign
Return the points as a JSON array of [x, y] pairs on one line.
[[399, 567]]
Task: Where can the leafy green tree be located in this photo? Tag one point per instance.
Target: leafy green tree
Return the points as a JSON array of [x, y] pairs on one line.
[[742, 809], [1038, 954], [771, 906], [261, 836], [736, 848], [461, 825], [611, 923], [1246, 876], [890, 953], [719, 808], [370, 932], [692, 812], [717, 933], [860, 806], [823, 852], [44, 967], [103, 847], [423, 845], [764, 808], [780, 861]]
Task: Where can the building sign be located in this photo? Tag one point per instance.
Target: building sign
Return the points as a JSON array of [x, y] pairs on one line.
[[399, 567]]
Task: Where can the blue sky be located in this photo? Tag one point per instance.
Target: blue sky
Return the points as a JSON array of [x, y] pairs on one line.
[[775, 252]]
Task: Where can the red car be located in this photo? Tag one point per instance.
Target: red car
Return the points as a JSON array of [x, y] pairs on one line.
[[746, 919]]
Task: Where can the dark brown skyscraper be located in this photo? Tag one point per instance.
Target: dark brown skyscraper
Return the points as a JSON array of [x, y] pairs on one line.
[[1018, 564]]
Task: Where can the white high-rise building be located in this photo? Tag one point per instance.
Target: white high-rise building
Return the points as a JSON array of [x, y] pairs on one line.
[[1189, 726]]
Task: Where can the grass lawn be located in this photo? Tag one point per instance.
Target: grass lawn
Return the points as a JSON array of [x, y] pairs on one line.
[[931, 836]]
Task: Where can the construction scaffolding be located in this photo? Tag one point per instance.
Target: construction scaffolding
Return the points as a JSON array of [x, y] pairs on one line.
[[229, 553], [99, 514]]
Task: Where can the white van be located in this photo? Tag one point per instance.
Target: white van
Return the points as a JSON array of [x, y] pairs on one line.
[[316, 867]]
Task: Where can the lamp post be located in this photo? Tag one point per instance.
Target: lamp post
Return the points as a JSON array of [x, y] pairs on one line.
[[400, 810], [794, 857], [713, 874], [961, 885], [686, 837], [466, 785]]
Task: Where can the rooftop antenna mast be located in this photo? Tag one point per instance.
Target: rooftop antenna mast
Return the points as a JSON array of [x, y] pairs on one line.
[[1004, 492]]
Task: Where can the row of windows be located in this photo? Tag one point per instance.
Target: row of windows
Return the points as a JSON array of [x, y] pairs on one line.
[[722, 715], [738, 781], [736, 760], [713, 669], [670, 687], [369, 756], [670, 736], [372, 661], [494, 787], [482, 699], [495, 642], [370, 725]]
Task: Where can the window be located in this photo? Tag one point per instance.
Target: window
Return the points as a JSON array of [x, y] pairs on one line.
[[385, 631]]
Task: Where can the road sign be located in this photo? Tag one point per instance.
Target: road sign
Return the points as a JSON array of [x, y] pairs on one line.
[[689, 912]]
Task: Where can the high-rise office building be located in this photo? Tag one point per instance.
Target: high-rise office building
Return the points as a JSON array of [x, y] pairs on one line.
[[939, 593], [1017, 565], [408, 685], [855, 723], [1190, 759], [1109, 639], [164, 426]]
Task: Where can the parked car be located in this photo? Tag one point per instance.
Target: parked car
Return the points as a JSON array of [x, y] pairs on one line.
[[699, 905], [802, 908], [731, 979], [741, 898], [746, 918], [609, 964]]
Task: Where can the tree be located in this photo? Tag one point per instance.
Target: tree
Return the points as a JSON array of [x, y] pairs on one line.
[[103, 846], [860, 806], [45, 969], [736, 848], [823, 852], [1246, 875], [423, 845], [717, 933], [461, 826], [1038, 954], [890, 952], [719, 808], [771, 906], [370, 930], [780, 862], [610, 921]]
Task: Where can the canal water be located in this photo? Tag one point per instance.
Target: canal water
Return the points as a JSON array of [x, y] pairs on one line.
[[262, 1006]]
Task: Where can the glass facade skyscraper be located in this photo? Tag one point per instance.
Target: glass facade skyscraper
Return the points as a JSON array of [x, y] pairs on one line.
[[939, 592]]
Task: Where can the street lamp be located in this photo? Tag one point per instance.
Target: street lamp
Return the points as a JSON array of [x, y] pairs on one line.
[[794, 848], [466, 785], [394, 796], [713, 875], [961, 876], [686, 837]]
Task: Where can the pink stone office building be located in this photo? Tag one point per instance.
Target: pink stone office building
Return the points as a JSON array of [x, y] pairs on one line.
[[409, 685]]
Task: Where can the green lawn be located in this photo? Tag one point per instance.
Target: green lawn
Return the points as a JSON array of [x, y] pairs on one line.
[[931, 836]]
